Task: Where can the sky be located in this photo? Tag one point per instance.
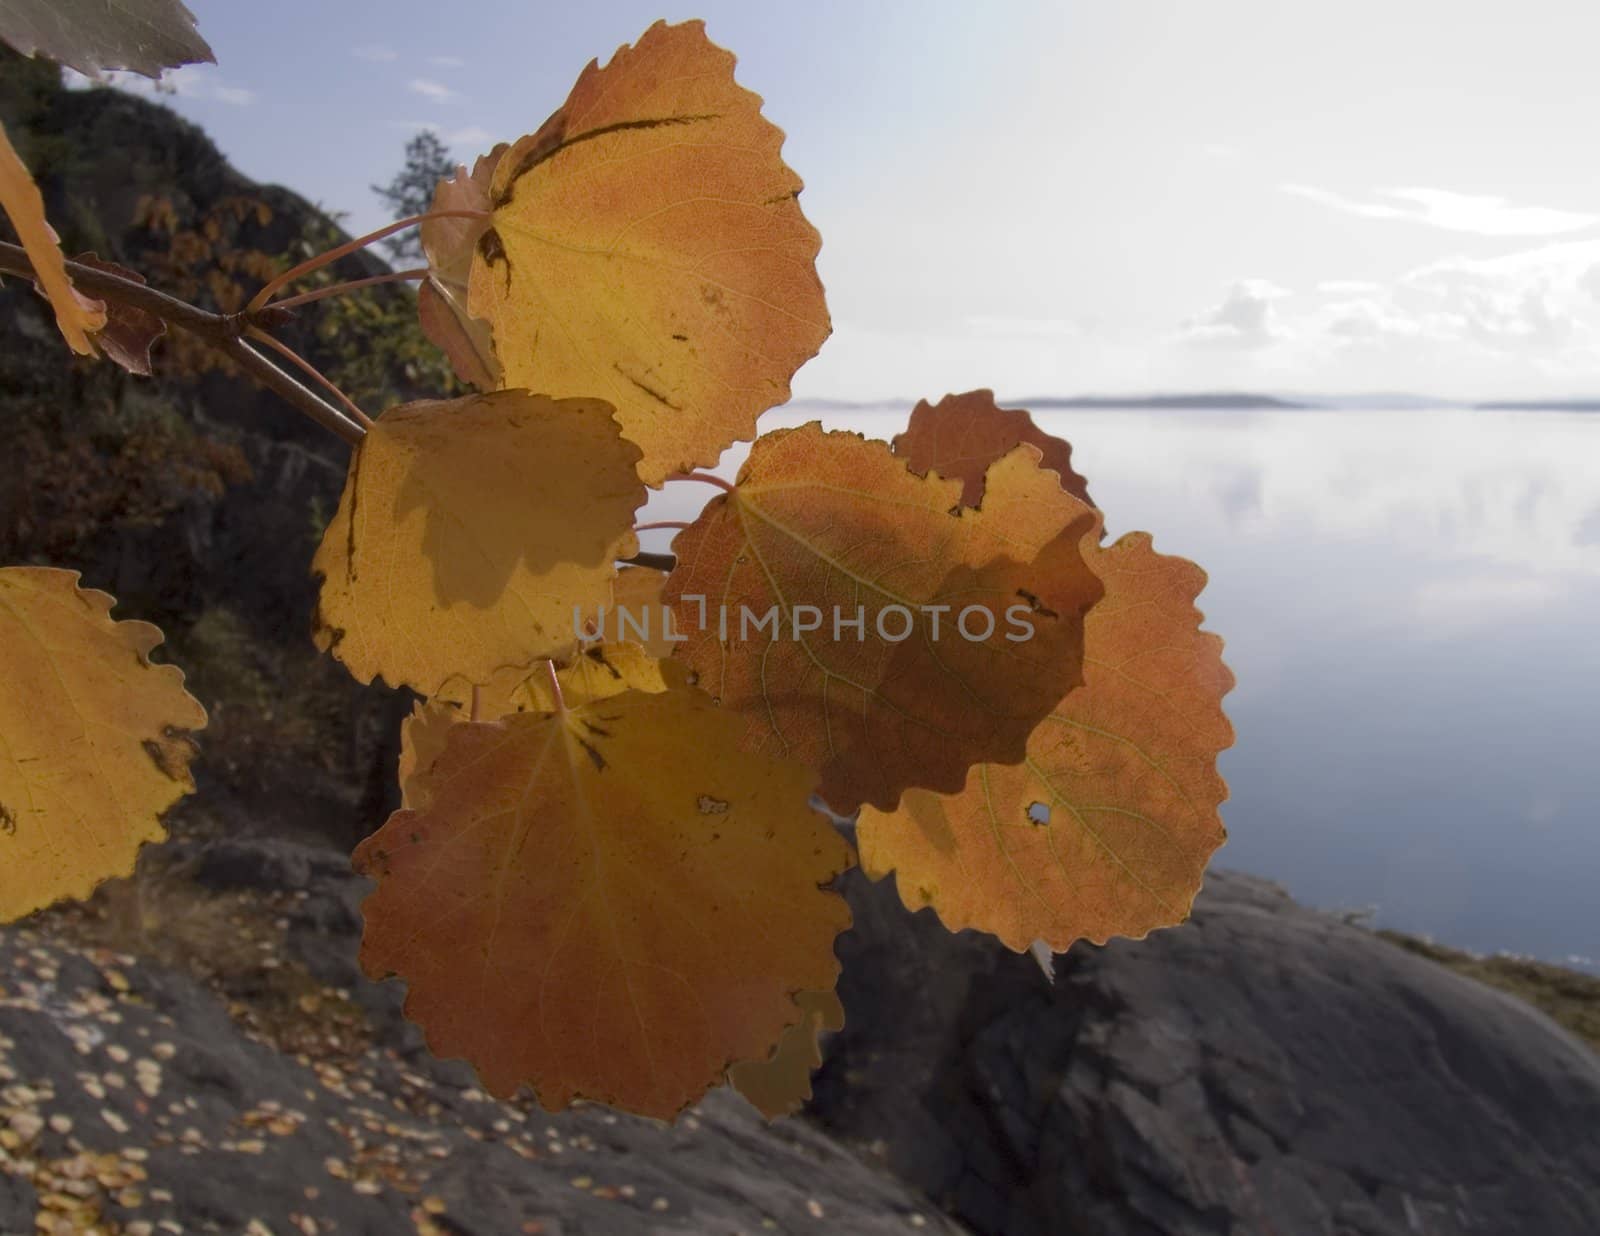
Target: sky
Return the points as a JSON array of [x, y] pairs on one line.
[[1055, 197]]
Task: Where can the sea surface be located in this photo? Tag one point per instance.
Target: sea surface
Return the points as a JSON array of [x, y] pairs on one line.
[[1411, 604]]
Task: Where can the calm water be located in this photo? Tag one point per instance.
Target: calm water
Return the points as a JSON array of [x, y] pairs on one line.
[[1410, 603]]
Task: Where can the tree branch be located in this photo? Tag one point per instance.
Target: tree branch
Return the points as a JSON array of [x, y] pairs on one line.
[[221, 331]]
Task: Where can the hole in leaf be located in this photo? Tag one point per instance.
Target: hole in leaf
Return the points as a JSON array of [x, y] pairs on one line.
[[1038, 813]]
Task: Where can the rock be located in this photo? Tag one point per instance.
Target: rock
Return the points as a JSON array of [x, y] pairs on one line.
[[143, 1101], [1264, 1068]]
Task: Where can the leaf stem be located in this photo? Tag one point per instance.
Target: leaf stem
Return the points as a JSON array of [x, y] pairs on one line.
[[337, 289], [707, 477], [477, 703], [311, 371], [316, 263], [662, 523], [555, 688]]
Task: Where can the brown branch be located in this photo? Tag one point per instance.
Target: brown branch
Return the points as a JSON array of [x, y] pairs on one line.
[[221, 331]]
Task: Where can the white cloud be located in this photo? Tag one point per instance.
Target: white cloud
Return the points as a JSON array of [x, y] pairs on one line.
[[375, 53], [1023, 328], [1480, 214], [436, 91], [1244, 319], [471, 135], [1348, 287]]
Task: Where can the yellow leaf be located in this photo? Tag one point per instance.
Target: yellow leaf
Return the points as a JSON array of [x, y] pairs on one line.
[[967, 625], [647, 247], [778, 1085], [613, 902], [636, 611], [77, 315], [597, 673], [1107, 826], [442, 298], [468, 532], [94, 739]]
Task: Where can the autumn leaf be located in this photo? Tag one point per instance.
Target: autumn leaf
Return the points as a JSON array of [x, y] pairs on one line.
[[779, 1085], [1107, 827], [468, 532], [601, 671], [77, 315], [636, 612], [648, 248], [971, 621], [142, 36], [612, 903], [442, 298], [94, 739], [129, 332], [961, 435]]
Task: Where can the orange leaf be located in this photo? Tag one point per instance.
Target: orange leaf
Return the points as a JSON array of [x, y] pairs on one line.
[[648, 248], [599, 672], [1106, 829], [972, 620], [612, 903], [94, 739], [469, 531], [77, 315], [779, 1085], [961, 435], [442, 299]]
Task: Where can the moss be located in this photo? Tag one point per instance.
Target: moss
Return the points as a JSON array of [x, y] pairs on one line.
[[1568, 998]]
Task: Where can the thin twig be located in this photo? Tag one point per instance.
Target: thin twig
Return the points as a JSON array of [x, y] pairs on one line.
[[286, 387], [338, 289], [311, 371], [221, 332], [656, 562], [360, 242], [707, 477], [662, 523]]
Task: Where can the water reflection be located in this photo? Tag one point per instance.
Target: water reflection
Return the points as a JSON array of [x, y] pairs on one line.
[[1409, 601]]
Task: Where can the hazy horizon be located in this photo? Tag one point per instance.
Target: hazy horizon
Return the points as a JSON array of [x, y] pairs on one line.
[[1079, 197]]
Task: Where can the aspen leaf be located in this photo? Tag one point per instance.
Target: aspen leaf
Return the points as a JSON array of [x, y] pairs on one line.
[[77, 315], [1107, 827], [636, 593], [612, 903], [779, 1085], [647, 247], [468, 531], [598, 672], [94, 739], [961, 435], [142, 36], [836, 523], [442, 298]]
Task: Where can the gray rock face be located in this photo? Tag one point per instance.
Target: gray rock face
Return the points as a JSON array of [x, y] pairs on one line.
[[129, 1096], [1264, 1069]]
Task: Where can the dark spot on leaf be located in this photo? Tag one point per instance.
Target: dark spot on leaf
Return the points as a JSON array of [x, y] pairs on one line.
[[594, 754], [681, 338], [648, 390], [1036, 605], [557, 141], [8, 822], [711, 806]]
